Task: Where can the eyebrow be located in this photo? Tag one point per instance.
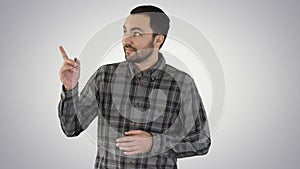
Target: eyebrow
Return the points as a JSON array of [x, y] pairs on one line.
[[134, 28]]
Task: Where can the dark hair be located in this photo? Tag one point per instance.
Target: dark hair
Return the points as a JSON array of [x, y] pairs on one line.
[[159, 21]]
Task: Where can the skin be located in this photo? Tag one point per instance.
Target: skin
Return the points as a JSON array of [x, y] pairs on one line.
[[135, 142], [141, 49], [138, 43], [70, 71]]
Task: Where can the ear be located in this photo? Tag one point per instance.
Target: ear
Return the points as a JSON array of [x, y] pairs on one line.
[[159, 39]]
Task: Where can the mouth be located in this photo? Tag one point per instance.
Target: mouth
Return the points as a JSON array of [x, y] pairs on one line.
[[129, 50]]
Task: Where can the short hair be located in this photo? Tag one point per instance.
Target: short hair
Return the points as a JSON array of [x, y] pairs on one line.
[[159, 21]]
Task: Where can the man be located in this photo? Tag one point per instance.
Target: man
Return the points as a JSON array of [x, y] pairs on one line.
[[149, 113]]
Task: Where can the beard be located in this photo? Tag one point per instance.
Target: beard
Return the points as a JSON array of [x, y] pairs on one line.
[[138, 56]]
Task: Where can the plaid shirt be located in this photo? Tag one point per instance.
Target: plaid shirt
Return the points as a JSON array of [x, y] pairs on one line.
[[161, 100]]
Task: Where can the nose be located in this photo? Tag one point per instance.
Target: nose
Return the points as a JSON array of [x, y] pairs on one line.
[[127, 39]]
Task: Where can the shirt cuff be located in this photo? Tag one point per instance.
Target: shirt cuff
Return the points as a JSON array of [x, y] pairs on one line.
[[157, 144], [65, 94]]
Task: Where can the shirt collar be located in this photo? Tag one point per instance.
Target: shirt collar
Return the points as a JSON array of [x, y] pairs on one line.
[[152, 72]]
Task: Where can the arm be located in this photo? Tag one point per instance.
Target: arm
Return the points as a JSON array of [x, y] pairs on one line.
[[189, 135], [76, 112], [66, 113]]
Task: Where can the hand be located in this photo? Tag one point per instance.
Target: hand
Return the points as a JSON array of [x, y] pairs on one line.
[[135, 142], [70, 71]]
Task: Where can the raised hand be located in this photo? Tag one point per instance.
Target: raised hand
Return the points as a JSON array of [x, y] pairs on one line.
[[135, 142], [70, 71]]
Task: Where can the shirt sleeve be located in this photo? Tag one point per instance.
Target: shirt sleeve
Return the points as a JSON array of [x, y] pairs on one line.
[[189, 135], [77, 112]]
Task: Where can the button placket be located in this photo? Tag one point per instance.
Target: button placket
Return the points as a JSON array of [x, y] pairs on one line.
[[137, 104], [135, 124]]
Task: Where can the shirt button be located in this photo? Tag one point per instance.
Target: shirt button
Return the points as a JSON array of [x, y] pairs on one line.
[[131, 162], [137, 104]]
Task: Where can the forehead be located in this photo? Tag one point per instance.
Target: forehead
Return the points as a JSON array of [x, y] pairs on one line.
[[138, 21]]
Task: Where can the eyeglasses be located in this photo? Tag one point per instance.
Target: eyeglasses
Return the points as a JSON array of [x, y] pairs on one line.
[[136, 33]]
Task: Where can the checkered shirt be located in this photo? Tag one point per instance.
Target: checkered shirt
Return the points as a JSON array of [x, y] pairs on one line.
[[162, 101]]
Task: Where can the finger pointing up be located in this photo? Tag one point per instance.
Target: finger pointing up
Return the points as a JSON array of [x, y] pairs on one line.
[[63, 53]]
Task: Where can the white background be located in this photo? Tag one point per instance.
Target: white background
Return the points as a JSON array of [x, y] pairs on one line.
[[257, 43]]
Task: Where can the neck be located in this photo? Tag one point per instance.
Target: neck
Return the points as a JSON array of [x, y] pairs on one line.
[[148, 62]]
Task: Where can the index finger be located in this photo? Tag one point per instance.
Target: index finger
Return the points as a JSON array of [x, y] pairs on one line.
[[63, 53]]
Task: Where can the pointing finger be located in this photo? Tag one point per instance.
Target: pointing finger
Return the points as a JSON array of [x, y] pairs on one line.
[[63, 53]]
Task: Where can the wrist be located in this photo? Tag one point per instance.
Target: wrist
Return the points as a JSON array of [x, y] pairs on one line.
[[69, 93], [68, 88]]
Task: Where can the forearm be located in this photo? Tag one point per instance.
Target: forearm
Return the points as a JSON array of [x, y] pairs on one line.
[[76, 111], [189, 135], [67, 114], [181, 146], [188, 148]]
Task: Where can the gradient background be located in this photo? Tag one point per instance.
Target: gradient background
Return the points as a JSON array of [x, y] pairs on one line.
[[257, 43]]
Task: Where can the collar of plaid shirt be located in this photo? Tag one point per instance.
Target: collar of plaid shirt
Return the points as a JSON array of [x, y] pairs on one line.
[[151, 72]]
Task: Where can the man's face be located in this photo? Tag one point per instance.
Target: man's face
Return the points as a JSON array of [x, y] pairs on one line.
[[138, 38]]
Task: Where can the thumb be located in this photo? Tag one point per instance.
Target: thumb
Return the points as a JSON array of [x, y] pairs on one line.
[[77, 61], [132, 132]]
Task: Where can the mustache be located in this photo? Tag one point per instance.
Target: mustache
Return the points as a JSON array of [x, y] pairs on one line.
[[129, 47]]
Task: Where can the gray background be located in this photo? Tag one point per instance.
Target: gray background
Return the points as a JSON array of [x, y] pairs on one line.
[[257, 43]]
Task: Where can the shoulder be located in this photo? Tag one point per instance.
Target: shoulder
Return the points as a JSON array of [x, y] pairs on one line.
[[110, 68], [107, 69], [178, 75]]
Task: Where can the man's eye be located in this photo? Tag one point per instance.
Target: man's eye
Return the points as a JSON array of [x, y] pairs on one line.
[[137, 34]]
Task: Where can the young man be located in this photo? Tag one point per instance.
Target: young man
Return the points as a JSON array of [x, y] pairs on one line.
[[149, 113]]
